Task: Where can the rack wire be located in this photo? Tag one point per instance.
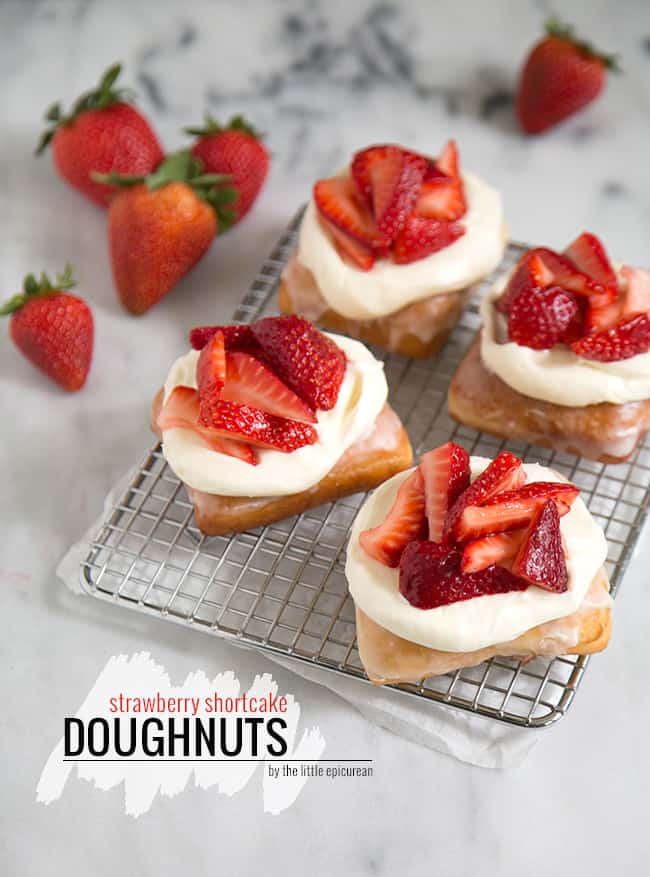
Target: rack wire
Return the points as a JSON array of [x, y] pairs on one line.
[[282, 588]]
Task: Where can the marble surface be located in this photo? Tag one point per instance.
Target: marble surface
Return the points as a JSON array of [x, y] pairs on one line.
[[321, 78]]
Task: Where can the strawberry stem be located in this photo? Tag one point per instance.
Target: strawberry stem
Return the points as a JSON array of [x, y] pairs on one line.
[[96, 99], [183, 167], [212, 126], [33, 287], [563, 31]]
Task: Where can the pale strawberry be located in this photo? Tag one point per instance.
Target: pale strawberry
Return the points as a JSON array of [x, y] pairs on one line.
[[404, 522], [636, 298]]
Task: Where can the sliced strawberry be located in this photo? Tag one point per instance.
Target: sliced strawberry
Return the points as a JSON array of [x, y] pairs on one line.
[[442, 198], [403, 523], [600, 313], [182, 410], [624, 340], [447, 162], [211, 367], [503, 473], [588, 255], [569, 277], [531, 273], [497, 548], [234, 337], [233, 421], [539, 318], [541, 560], [250, 382], [306, 360], [512, 509], [636, 298], [348, 248], [430, 576], [421, 237], [339, 201], [395, 183], [446, 475]]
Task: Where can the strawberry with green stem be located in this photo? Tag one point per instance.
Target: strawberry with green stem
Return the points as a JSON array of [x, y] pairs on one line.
[[53, 329], [161, 225], [101, 133]]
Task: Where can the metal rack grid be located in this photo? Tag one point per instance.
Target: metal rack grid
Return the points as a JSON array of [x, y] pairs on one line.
[[282, 588]]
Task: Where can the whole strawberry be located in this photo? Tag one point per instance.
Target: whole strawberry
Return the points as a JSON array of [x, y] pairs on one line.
[[236, 150], [159, 226], [102, 133], [561, 76], [52, 328]]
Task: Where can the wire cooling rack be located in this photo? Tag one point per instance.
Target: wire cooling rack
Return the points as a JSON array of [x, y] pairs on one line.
[[282, 588]]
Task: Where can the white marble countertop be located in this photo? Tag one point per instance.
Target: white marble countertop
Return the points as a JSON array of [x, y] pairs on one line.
[[321, 78]]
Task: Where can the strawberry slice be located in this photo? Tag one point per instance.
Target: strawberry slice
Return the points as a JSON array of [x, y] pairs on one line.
[[442, 195], [250, 382], [530, 274], [636, 299], [234, 337], [181, 410], [349, 249], [497, 548], [404, 522], [306, 360], [211, 367], [541, 560], [339, 202], [447, 162], [600, 313], [420, 237], [446, 475], [539, 318], [503, 473], [568, 276], [624, 340], [395, 181], [512, 509], [588, 255], [430, 576], [231, 420]]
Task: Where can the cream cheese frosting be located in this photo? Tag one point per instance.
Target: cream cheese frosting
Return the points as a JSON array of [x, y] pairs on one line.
[[481, 621], [361, 398], [558, 375], [388, 287]]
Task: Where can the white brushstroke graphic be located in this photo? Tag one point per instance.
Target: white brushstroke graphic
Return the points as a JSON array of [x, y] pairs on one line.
[[139, 676]]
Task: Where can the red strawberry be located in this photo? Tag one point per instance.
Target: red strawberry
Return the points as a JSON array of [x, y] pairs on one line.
[[211, 367], [349, 249], [589, 256], [250, 382], [600, 313], [234, 337], [447, 162], [442, 195], [101, 133], [539, 318], [541, 560], [53, 329], [395, 180], [561, 75], [421, 237], [339, 202], [236, 150], [497, 548], [159, 228], [531, 273], [234, 421], [503, 473], [430, 576], [622, 341], [306, 360], [446, 475], [636, 298], [511, 509], [181, 409], [567, 275], [403, 523]]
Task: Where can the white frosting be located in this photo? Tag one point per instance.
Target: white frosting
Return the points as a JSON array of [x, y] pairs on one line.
[[387, 287], [558, 375], [361, 398], [481, 621]]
